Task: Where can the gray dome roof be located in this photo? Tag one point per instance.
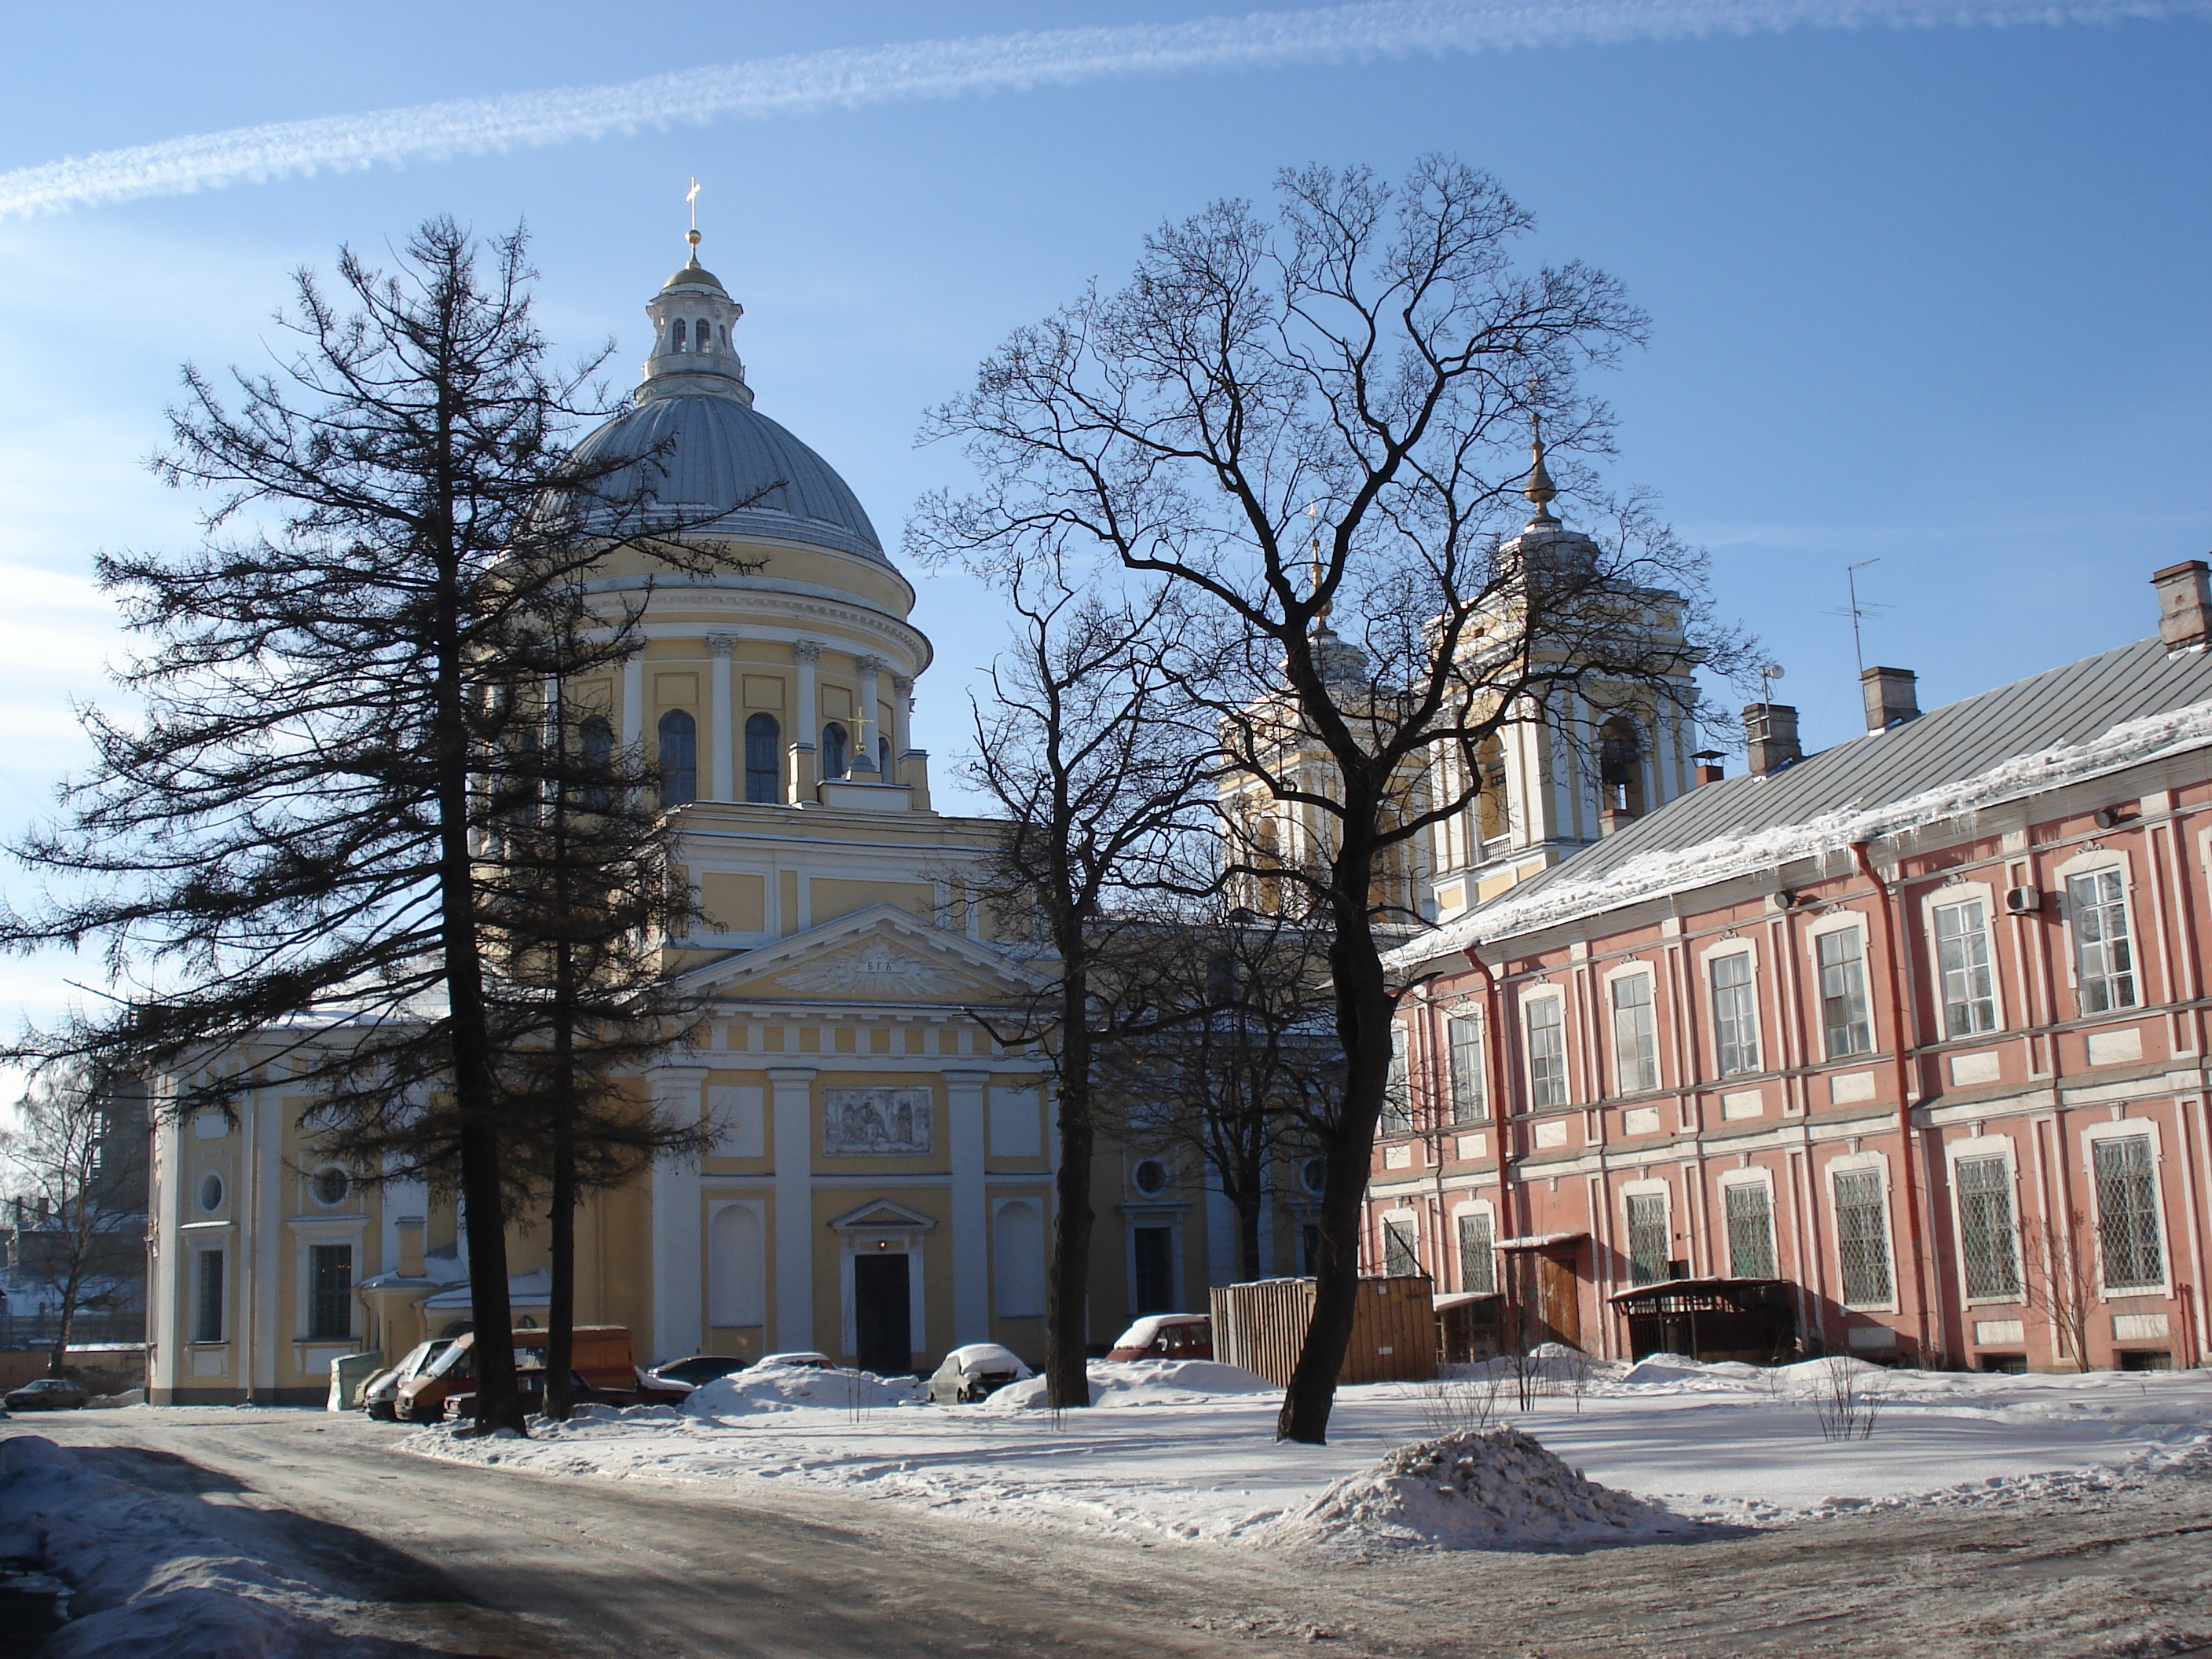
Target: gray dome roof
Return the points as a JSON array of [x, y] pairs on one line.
[[719, 452]]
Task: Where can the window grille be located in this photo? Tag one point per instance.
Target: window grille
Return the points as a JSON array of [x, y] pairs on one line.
[[1635, 1045], [1478, 1264], [2103, 956], [1750, 1231], [1547, 1052], [1647, 1238], [1842, 994], [2127, 1213], [1468, 1102], [330, 1292], [1735, 1015], [1962, 959], [1401, 1255], [1986, 1235], [1397, 1095], [1862, 1238], [207, 1324]]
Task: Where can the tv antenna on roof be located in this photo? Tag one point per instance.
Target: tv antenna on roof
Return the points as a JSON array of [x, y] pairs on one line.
[[1768, 676], [1858, 608]]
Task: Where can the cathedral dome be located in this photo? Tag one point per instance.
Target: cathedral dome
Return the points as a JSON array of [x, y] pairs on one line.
[[698, 452]]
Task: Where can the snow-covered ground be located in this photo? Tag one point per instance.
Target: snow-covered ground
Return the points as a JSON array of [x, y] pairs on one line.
[[1185, 1450]]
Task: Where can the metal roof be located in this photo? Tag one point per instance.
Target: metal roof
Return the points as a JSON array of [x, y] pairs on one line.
[[720, 450], [1974, 738]]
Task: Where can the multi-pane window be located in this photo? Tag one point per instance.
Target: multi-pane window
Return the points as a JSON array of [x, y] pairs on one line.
[[1987, 1237], [1750, 1230], [1478, 1264], [1547, 1052], [1647, 1238], [207, 1316], [1467, 1089], [2103, 958], [330, 1292], [1842, 994], [1862, 1238], [1397, 1093], [763, 759], [679, 758], [1736, 1014], [1635, 1043], [1962, 962], [1401, 1255], [2128, 1233]]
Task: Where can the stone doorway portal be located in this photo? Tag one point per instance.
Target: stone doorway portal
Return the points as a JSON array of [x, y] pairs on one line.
[[883, 1328]]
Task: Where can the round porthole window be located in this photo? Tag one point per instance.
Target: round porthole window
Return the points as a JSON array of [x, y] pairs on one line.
[[1149, 1177], [1315, 1173], [210, 1192], [330, 1186]]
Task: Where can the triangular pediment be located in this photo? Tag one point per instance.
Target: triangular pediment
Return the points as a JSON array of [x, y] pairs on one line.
[[880, 955], [883, 1215]]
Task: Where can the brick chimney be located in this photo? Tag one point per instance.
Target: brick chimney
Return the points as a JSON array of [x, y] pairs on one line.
[[1771, 730], [2185, 604], [1891, 694], [1709, 765]]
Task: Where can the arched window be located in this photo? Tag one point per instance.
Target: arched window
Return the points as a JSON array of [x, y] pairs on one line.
[[595, 752], [724, 333], [1619, 749], [676, 336], [704, 331], [834, 751], [679, 758], [763, 779]]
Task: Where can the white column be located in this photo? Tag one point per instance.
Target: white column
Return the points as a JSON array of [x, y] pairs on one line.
[[633, 701], [806, 722], [870, 723], [719, 646], [902, 722], [678, 1320], [167, 1280], [792, 1111], [971, 1236], [262, 1231]]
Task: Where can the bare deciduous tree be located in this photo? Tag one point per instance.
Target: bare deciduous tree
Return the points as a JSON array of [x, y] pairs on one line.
[[2060, 1281], [1377, 355]]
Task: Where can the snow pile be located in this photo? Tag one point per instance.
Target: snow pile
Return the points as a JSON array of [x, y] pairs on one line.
[[145, 1579], [767, 1388], [1501, 1490], [1146, 1382]]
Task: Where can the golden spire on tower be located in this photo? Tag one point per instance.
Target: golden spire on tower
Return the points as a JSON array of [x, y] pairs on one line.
[[1540, 488]]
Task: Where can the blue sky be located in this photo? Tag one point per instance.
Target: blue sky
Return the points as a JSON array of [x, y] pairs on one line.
[[1932, 295]]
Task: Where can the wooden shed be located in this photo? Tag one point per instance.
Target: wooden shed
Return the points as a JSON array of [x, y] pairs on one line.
[[1262, 1325], [1752, 1320]]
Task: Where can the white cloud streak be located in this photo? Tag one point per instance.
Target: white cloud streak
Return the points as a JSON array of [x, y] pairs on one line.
[[814, 82]]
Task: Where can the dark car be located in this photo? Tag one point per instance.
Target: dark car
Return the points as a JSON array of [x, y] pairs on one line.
[[700, 1368], [48, 1393]]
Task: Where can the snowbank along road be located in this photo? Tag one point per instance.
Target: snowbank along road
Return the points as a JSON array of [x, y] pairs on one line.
[[461, 1560]]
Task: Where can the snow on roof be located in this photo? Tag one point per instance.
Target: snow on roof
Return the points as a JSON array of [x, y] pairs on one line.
[[1540, 1241], [2119, 708]]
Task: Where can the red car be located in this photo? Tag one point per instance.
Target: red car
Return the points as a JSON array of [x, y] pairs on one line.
[[1166, 1336]]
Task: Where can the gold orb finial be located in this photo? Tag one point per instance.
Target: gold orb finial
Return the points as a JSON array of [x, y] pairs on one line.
[[1540, 488]]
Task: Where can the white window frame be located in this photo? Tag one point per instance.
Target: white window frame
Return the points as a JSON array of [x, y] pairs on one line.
[[1762, 1179], [1707, 960], [1485, 1208], [1651, 1188], [1975, 1148], [1942, 899], [1530, 1002], [2128, 1129], [1473, 1014], [2091, 864], [1849, 1164], [1384, 1223], [1397, 1117], [1632, 970], [1826, 927]]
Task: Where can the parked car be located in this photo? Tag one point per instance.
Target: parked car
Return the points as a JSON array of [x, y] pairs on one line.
[[1166, 1336], [700, 1368], [46, 1394], [378, 1395], [975, 1372], [602, 1358], [530, 1381], [804, 1357]]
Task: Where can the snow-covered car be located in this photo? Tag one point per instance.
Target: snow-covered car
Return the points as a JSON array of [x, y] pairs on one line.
[[699, 1368], [975, 1372], [46, 1394], [802, 1356], [1166, 1336]]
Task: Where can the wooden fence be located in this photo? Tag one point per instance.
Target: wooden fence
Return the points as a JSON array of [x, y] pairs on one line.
[[1262, 1325]]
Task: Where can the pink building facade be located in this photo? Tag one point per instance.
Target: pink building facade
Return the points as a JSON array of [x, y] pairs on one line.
[[1910, 1033]]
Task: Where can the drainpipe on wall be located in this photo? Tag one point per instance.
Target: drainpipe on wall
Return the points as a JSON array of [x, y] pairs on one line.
[[1493, 1064], [1900, 1019]]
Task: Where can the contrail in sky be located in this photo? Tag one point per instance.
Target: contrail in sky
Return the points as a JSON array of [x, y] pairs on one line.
[[809, 82]]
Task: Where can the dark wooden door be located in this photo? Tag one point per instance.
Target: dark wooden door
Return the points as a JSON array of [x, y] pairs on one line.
[[883, 1330], [1560, 1299]]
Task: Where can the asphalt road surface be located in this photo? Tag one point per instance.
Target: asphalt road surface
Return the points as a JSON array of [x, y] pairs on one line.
[[478, 1561]]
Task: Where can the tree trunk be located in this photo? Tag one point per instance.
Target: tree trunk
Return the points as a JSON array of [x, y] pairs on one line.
[[1067, 1312]]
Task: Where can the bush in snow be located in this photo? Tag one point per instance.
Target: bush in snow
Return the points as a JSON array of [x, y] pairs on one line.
[[1501, 1490]]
